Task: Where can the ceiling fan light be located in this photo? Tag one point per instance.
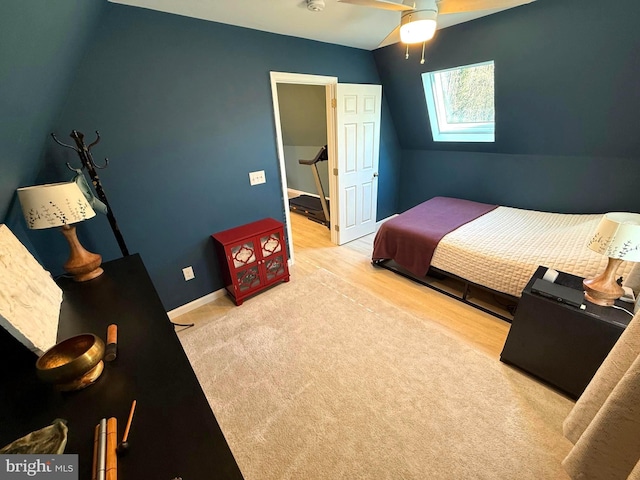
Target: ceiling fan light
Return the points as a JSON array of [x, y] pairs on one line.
[[418, 26], [418, 32]]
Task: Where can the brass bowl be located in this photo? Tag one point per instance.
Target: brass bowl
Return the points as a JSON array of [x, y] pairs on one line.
[[73, 363]]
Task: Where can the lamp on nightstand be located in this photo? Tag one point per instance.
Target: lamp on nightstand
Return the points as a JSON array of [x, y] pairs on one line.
[[617, 237], [61, 205]]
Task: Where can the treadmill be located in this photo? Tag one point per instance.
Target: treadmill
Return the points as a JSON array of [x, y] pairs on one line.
[[314, 208]]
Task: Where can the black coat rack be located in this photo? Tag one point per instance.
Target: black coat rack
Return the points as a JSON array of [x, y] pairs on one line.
[[84, 152]]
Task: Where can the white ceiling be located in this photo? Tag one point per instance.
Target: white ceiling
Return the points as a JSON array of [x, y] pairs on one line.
[[338, 23]]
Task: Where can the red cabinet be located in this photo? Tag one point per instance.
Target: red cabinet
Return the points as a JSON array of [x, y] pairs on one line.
[[252, 257]]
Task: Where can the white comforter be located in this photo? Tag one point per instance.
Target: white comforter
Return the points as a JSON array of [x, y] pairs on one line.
[[503, 248]]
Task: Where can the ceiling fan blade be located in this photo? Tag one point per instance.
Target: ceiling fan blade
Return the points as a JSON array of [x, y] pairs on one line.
[[383, 4], [393, 37], [461, 6]]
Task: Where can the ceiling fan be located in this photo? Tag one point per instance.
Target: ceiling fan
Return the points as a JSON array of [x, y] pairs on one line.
[[418, 19]]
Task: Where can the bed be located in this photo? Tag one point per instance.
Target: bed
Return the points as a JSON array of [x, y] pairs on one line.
[[496, 247]]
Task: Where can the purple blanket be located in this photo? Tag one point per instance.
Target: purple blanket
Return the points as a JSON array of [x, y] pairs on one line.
[[411, 238]]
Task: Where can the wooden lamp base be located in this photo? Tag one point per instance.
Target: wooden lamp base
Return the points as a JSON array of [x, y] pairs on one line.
[[82, 264], [603, 289]]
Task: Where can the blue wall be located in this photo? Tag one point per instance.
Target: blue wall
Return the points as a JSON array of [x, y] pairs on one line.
[[567, 109], [184, 108], [185, 111], [40, 49]]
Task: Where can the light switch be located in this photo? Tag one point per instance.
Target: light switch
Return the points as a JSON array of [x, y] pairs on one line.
[[256, 178]]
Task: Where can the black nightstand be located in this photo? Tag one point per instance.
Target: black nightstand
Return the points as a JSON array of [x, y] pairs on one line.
[[559, 343]]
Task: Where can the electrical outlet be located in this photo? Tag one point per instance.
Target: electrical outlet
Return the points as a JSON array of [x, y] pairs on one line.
[[188, 273], [256, 178]]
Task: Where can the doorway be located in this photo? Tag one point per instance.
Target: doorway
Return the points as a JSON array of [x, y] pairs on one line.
[[283, 84], [353, 115], [304, 134]]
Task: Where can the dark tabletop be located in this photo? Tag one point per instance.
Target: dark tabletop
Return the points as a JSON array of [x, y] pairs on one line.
[[173, 433]]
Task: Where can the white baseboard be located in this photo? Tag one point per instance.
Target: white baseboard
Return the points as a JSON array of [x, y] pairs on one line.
[[292, 192], [198, 302], [380, 222], [295, 193]]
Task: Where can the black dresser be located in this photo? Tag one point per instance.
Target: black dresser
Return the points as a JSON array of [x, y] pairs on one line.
[[174, 432]]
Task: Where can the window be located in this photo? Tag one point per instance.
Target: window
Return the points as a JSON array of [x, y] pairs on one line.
[[460, 103]]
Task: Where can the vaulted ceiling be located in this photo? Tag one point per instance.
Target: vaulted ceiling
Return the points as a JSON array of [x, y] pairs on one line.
[[337, 23]]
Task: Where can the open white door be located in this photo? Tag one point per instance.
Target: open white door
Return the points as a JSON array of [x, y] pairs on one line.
[[357, 151]]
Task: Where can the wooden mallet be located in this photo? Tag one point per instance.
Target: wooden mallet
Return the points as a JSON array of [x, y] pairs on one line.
[[123, 446]]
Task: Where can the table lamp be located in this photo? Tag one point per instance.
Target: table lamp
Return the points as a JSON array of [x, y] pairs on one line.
[[617, 237], [61, 205]]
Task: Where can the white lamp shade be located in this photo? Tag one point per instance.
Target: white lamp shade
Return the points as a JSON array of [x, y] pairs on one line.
[[618, 236], [418, 27], [54, 205]]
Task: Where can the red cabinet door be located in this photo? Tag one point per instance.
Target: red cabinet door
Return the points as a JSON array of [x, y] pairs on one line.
[[252, 257]]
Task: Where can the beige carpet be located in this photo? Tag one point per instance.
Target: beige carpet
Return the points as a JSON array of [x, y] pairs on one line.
[[315, 379]]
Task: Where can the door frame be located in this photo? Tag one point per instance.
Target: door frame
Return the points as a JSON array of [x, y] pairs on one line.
[[330, 84]]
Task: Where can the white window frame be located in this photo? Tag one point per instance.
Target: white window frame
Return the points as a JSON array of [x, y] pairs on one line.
[[446, 132]]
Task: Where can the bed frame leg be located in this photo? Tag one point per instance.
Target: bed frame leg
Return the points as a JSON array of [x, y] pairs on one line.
[[466, 291]]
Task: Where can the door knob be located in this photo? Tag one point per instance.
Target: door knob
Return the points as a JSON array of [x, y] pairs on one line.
[[375, 174]]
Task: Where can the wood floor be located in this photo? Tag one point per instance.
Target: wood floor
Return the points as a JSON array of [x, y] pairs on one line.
[[352, 262]]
